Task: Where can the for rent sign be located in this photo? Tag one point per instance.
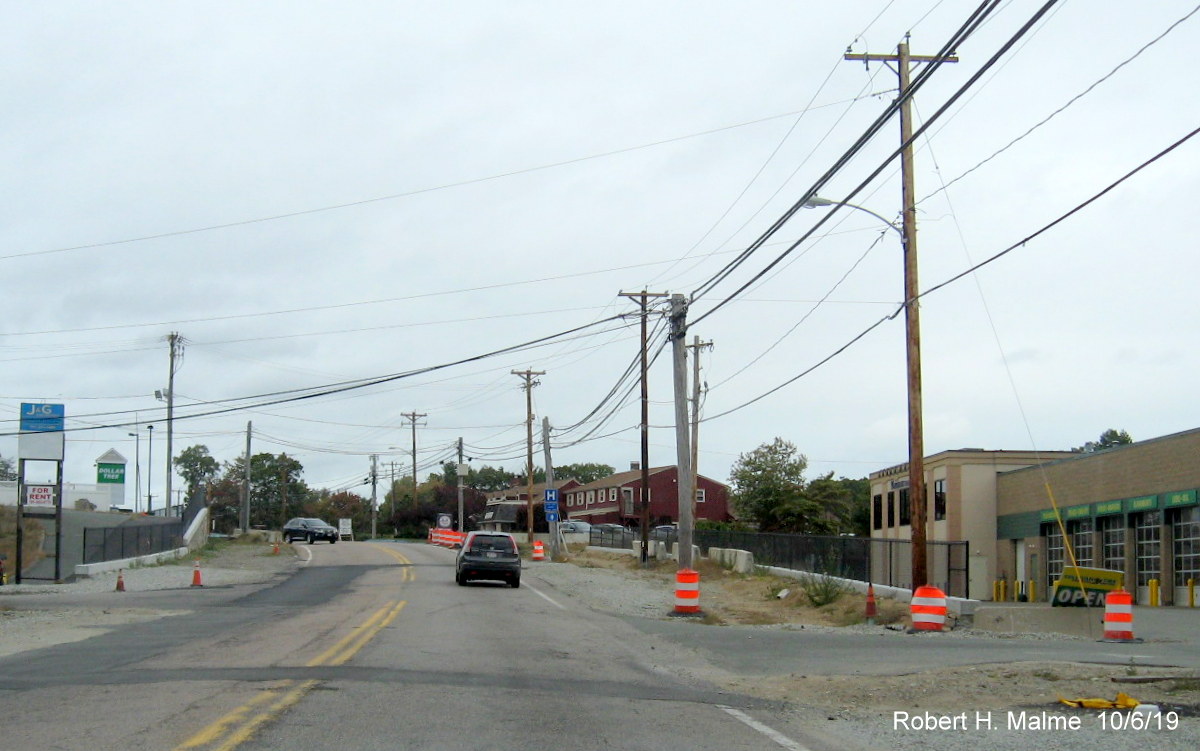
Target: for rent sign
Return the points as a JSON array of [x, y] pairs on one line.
[[39, 495]]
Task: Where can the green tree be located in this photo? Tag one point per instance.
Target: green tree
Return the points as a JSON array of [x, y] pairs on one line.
[[196, 466], [584, 472], [768, 486], [488, 478], [8, 470], [276, 491], [1108, 439]]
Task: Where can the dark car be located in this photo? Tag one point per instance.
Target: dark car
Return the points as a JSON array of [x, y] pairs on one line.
[[488, 556], [666, 533], [310, 530]]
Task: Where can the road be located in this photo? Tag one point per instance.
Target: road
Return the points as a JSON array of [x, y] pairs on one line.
[[373, 646]]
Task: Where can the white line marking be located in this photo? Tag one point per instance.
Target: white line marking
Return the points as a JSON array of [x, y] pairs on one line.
[[308, 552], [771, 733], [546, 598]]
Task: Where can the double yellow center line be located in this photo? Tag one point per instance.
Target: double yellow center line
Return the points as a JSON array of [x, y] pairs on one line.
[[238, 726]]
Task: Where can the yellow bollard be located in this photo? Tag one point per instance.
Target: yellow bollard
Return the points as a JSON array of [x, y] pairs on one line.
[[1032, 591], [1153, 583], [1191, 593]]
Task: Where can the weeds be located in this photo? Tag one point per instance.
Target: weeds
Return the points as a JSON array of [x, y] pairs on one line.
[[822, 589]]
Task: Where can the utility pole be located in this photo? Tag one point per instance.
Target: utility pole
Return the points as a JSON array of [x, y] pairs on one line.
[[682, 452], [412, 418], [246, 483], [150, 471], [176, 343], [282, 491], [916, 437], [550, 484], [462, 477], [644, 512], [374, 489], [528, 375], [696, 346]]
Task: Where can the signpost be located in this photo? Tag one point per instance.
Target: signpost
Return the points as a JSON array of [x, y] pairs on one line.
[[550, 504], [41, 439]]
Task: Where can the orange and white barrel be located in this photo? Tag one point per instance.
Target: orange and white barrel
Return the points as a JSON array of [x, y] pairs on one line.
[[687, 592], [539, 551], [928, 609], [1118, 616]]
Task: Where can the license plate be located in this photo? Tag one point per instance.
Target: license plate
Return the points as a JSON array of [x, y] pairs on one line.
[[493, 555]]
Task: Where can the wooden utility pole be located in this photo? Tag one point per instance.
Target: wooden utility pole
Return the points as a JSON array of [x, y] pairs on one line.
[[176, 343], [283, 476], [461, 474], [916, 438], [695, 347], [683, 454], [374, 495], [246, 483], [550, 484], [412, 418], [644, 510], [528, 375]]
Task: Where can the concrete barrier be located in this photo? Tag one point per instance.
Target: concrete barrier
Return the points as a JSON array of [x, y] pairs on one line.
[[91, 569]]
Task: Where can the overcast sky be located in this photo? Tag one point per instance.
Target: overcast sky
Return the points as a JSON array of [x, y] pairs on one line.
[[318, 193]]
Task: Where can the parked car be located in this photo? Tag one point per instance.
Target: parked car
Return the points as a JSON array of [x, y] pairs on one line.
[[609, 528], [664, 532], [309, 530], [491, 556], [574, 527]]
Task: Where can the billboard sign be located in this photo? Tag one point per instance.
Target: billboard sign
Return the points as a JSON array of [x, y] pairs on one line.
[[110, 474], [41, 437]]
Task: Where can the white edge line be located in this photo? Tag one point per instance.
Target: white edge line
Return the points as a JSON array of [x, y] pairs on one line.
[[308, 552], [546, 598], [771, 733]]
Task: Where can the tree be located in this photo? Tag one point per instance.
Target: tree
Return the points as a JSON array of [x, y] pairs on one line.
[[1108, 439], [276, 491], [488, 478], [8, 470], [196, 466], [768, 483], [584, 473]]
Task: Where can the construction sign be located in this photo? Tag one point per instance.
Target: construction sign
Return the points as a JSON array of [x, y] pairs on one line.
[[1081, 587]]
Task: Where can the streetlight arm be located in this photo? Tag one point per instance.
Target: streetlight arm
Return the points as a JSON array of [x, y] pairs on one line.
[[817, 201]]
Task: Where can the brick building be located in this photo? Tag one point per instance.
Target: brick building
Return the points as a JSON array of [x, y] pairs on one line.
[[616, 498]]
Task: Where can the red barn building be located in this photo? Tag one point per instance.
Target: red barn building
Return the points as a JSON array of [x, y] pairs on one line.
[[617, 498]]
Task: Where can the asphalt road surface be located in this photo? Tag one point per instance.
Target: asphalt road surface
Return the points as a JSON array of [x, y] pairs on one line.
[[373, 646]]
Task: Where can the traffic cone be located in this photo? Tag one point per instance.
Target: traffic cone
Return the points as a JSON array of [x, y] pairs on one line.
[[276, 550], [196, 576], [871, 610], [120, 580]]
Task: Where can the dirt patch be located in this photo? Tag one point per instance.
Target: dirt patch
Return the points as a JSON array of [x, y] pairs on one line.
[[757, 599], [982, 687]]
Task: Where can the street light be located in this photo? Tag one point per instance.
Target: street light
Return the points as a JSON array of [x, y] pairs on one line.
[[137, 470], [150, 471], [916, 436]]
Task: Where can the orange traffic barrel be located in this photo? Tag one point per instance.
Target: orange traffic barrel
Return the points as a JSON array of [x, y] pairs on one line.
[[1118, 617], [687, 592], [928, 609], [539, 552]]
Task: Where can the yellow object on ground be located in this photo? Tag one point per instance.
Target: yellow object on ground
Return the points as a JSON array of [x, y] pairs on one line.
[[1123, 701]]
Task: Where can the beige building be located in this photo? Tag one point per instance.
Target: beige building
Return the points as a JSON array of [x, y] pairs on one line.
[[1131, 508], [961, 505]]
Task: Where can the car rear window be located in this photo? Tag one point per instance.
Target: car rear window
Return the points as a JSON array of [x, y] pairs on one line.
[[500, 544]]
